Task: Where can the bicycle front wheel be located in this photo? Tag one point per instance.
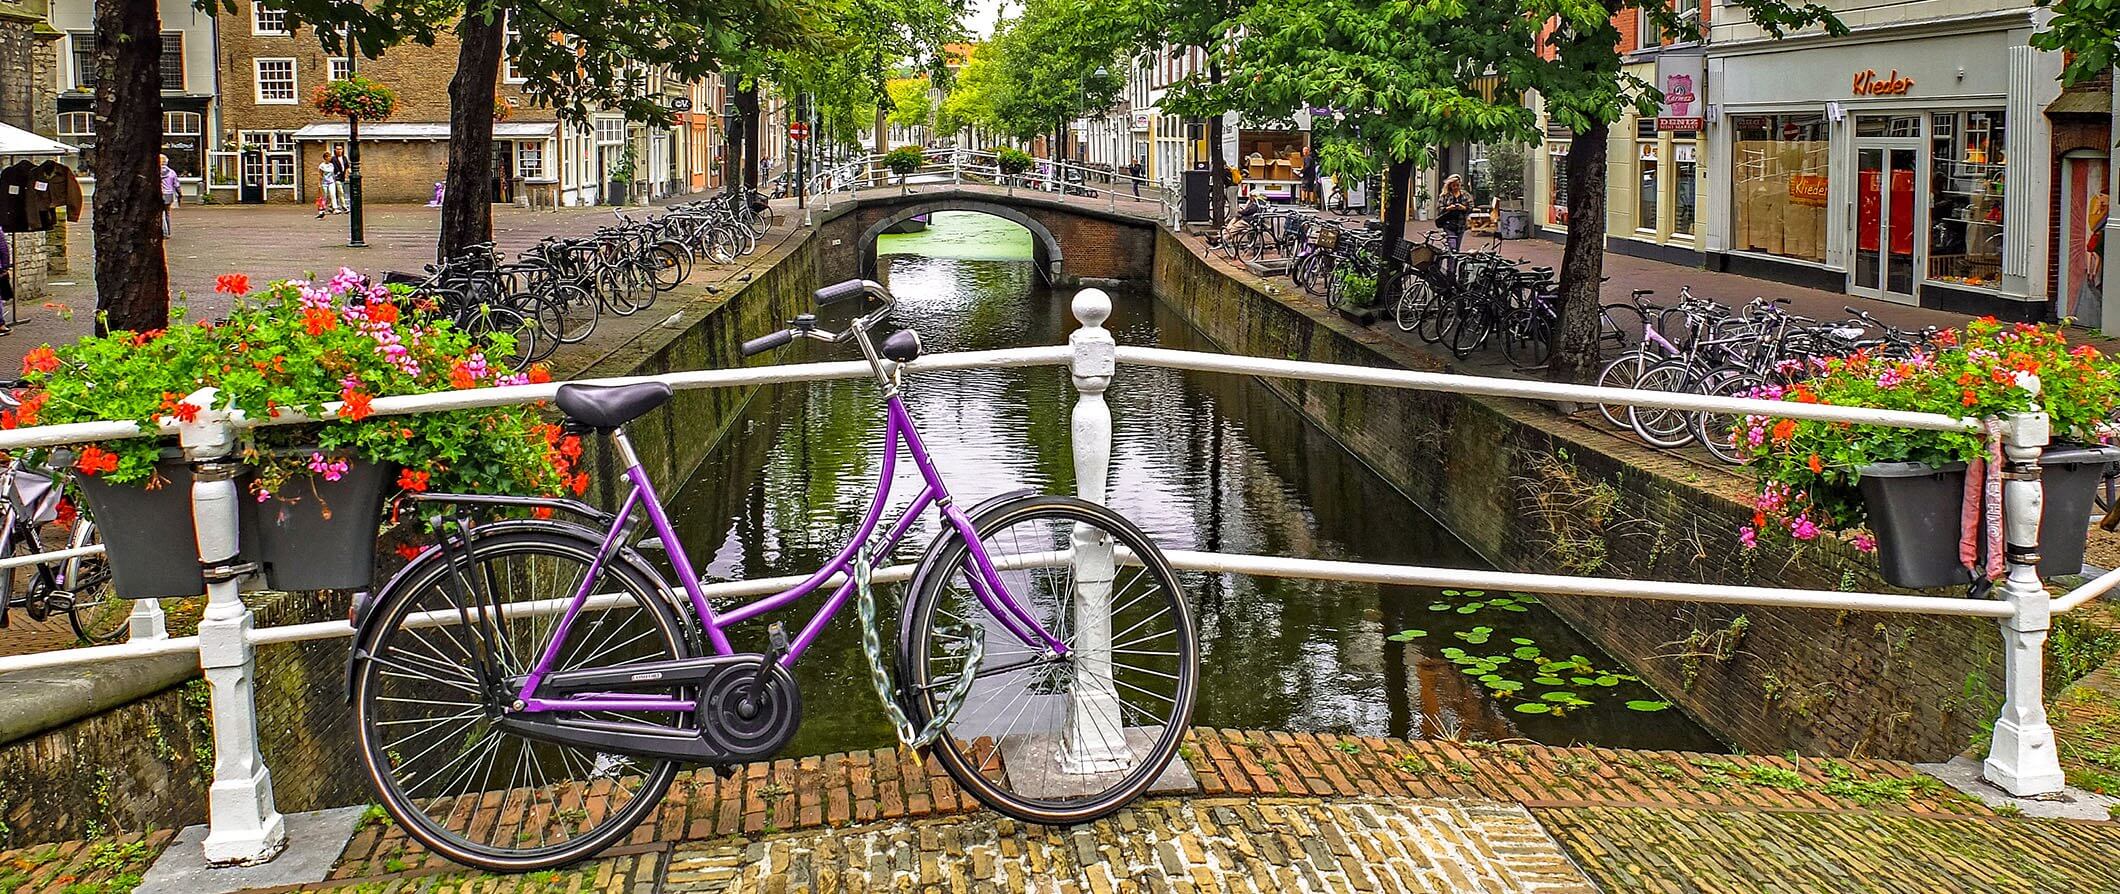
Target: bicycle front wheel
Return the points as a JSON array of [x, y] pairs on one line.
[[1055, 739], [427, 717]]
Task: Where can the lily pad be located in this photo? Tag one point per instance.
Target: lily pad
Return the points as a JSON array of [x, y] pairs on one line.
[[1644, 704], [1505, 686], [1526, 652], [1469, 608], [1548, 681], [1512, 607], [1607, 680], [1523, 641], [1533, 708], [1440, 606], [1407, 636]]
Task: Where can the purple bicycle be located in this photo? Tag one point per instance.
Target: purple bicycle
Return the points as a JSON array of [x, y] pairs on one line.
[[526, 689]]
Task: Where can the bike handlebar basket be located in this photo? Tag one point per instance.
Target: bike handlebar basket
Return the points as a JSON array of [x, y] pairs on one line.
[[1326, 237]]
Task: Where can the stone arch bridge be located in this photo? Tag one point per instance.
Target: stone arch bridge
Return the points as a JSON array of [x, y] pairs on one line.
[[1074, 239]]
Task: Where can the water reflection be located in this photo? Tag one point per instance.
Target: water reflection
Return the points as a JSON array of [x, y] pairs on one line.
[[1201, 462]]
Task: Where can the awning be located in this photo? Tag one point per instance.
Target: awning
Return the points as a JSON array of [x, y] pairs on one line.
[[2093, 101], [16, 141], [504, 130]]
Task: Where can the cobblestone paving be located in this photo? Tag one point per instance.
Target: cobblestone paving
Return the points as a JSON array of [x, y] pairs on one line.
[[1207, 845], [1633, 849]]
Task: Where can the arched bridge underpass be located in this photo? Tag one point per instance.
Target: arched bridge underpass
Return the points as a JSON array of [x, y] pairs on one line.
[[1074, 239]]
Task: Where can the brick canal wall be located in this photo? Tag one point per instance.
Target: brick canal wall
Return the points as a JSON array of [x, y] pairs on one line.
[[1532, 490], [148, 764]]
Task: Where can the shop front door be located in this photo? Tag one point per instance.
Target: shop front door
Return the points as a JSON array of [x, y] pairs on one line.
[[1888, 210]]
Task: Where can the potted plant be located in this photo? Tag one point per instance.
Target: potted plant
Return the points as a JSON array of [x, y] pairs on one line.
[[1900, 492], [903, 161], [313, 492], [1353, 295], [1012, 163], [355, 97], [621, 174], [1505, 173]]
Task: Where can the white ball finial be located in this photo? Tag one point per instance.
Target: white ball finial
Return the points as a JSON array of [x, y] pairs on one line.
[[1092, 307]]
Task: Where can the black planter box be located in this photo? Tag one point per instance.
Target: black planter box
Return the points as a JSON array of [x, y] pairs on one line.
[[1362, 316], [314, 535], [320, 535], [1915, 511]]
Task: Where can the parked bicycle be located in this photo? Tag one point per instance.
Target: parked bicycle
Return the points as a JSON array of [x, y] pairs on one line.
[[34, 518], [525, 689]]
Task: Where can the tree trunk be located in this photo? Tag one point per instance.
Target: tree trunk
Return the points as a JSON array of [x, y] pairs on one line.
[[1218, 198], [747, 108], [883, 144], [467, 206], [132, 277], [1395, 178], [1576, 358]]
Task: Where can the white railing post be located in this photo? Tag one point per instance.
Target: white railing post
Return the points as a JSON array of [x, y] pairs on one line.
[[147, 620], [243, 826], [1095, 741], [2022, 757], [957, 167]]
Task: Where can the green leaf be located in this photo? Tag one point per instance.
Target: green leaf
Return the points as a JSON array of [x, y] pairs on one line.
[[1407, 636], [1532, 708], [1647, 705]]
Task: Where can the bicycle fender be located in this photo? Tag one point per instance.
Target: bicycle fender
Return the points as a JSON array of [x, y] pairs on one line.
[[364, 635], [926, 566]]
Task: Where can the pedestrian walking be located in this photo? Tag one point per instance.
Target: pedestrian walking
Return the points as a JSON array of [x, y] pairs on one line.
[[1452, 208], [345, 172], [7, 280], [1135, 170], [169, 193], [328, 174]]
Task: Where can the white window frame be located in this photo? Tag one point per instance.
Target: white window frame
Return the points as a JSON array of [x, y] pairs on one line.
[[294, 81], [524, 150], [279, 155], [511, 36], [338, 68], [85, 126], [198, 123], [258, 12]]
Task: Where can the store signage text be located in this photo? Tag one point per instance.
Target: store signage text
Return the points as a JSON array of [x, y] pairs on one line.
[[1869, 83], [1681, 79], [1808, 189]]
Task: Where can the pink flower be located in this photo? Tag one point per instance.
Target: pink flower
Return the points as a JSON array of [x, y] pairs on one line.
[[1802, 528], [331, 469], [1747, 537], [1865, 541]]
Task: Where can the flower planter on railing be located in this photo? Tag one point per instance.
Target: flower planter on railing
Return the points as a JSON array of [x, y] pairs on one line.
[[1916, 510], [311, 533]]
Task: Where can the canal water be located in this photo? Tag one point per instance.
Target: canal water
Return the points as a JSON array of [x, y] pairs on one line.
[[1200, 462]]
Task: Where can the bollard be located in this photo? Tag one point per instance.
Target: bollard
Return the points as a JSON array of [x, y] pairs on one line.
[[1095, 741], [2022, 758], [243, 826], [147, 620]]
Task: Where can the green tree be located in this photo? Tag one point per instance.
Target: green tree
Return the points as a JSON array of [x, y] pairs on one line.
[[576, 55], [1060, 60], [2088, 30], [910, 105]]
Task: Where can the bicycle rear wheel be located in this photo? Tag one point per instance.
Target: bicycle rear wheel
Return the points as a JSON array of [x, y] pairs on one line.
[[1661, 427], [96, 612], [1416, 301], [427, 723], [1049, 739]]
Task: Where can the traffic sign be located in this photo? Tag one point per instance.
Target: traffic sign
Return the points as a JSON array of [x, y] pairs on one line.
[[798, 131], [681, 104]]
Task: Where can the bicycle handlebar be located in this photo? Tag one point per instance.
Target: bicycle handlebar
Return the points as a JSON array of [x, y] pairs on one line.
[[768, 342]]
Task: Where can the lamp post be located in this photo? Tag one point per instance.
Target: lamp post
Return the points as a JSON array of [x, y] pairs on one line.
[[731, 121], [354, 228]]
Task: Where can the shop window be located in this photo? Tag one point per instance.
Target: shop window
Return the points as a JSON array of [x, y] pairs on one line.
[[1684, 178], [1779, 184], [1557, 190], [76, 128], [1965, 200], [1646, 193], [276, 160], [530, 160]]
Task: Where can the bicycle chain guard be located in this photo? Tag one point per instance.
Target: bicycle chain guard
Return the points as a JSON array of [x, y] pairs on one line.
[[880, 675]]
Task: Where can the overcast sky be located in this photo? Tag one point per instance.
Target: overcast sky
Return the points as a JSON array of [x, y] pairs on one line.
[[984, 12]]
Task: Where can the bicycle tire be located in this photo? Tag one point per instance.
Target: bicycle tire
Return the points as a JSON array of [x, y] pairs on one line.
[[96, 617], [1416, 300], [1657, 426], [667, 265], [1470, 329], [1624, 371], [1718, 432], [975, 759], [1621, 325], [387, 653], [1528, 341], [579, 313]]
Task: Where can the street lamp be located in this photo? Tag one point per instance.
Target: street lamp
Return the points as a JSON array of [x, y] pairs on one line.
[[354, 223], [731, 120]]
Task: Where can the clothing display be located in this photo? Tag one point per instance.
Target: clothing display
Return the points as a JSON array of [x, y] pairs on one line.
[[32, 192]]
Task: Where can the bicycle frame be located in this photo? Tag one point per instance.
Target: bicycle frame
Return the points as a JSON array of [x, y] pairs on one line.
[[986, 583]]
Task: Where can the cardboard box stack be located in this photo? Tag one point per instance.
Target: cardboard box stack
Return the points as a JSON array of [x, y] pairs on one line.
[[1772, 216]]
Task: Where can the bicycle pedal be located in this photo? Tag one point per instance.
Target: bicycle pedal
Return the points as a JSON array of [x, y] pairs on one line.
[[777, 635]]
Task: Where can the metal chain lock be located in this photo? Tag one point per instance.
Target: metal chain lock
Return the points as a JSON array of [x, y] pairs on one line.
[[880, 676]]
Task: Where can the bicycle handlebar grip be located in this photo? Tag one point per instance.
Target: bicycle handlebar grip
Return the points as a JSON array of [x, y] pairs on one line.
[[838, 292], [768, 342]]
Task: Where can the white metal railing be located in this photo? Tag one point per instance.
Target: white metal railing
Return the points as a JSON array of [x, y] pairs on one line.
[[245, 827], [959, 166]]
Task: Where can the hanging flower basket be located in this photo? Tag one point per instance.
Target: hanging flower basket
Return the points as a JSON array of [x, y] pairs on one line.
[[1901, 492], [312, 494], [356, 97]]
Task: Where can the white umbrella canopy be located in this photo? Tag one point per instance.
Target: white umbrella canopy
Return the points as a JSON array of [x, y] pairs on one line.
[[16, 141]]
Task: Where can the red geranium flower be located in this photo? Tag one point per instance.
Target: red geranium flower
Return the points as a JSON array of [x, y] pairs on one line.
[[382, 311], [357, 405], [318, 320], [1784, 429], [409, 551], [232, 284], [95, 460], [41, 359], [413, 480]]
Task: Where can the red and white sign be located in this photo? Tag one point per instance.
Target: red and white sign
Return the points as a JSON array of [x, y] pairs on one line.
[[1680, 77], [798, 131]]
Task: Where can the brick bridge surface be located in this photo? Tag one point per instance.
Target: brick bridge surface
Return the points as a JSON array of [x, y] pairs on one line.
[[1075, 239]]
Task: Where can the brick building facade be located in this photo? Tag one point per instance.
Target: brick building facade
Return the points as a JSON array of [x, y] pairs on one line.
[[275, 137], [28, 86]]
